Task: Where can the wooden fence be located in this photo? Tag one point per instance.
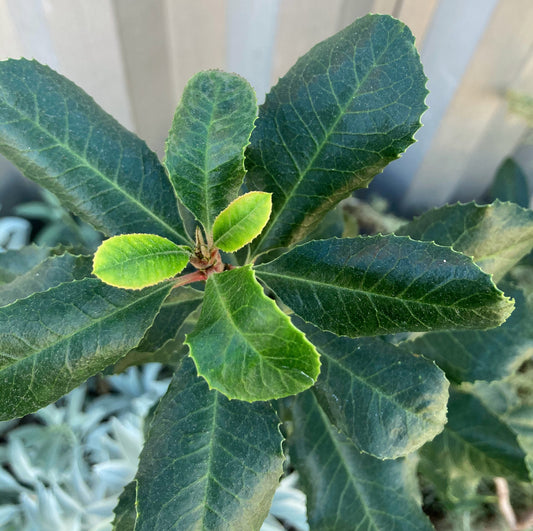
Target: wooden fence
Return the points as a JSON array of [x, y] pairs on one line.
[[135, 56]]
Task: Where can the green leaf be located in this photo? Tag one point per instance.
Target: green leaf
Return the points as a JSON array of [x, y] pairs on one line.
[[242, 221], [497, 236], [50, 273], [470, 355], [245, 346], [363, 380], [175, 310], [125, 514], [208, 463], [512, 405], [163, 341], [16, 263], [510, 184], [476, 441], [344, 111], [60, 138], [384, 284], [53, 341], [136, 261], [205, 147], [345, 488]]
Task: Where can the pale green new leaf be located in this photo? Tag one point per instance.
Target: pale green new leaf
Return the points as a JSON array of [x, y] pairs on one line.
[[205, 146], [384, 284], [242, 221], [60, 138], [363, 380], [347, 489], [497, 236], [208, 463], [245, 346], [53, 341], [137, 261], [345, 110], [470, 355], [476, 441], [51, 272]]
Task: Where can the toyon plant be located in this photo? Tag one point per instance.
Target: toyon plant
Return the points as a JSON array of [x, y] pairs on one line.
[[222, 263]]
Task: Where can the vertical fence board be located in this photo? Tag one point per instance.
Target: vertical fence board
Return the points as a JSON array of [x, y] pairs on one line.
[[500, 138], [301, 25], [251, 34], [197, 38], [87, 45], [476, 101], [417, 14], [144, 41]]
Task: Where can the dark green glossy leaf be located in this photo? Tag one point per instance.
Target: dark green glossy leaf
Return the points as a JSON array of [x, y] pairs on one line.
[[175, 310], [50, 273], [387, 401], [208, 463], [60, 138], [53, 341], [510, 184], [384, 284], [16, 263], [470, 355], [245, 346], [344, 111], [163, 342], [513, 405], [345, 488], [497, 236], [205, 147], [476, 441], [125, 514]]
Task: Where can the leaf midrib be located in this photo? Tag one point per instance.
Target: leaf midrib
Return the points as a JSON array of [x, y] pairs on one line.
[[92, 323], [261, 272], [95, 170], [353, 479], [238, 330], [142, 258], [320, 147]]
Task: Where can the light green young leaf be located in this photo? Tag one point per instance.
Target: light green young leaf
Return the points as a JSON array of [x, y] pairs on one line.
[[345, 488], [384, 284], [470, 355], [205, 146], [136, 261], [208, 463], [60, 138], [345, 110], [476, 441], [245, 346], [53, 341], [242, 221], [363, 380], [497, 236]]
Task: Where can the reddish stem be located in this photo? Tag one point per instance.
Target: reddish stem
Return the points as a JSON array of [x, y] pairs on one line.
[[195, 276]]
